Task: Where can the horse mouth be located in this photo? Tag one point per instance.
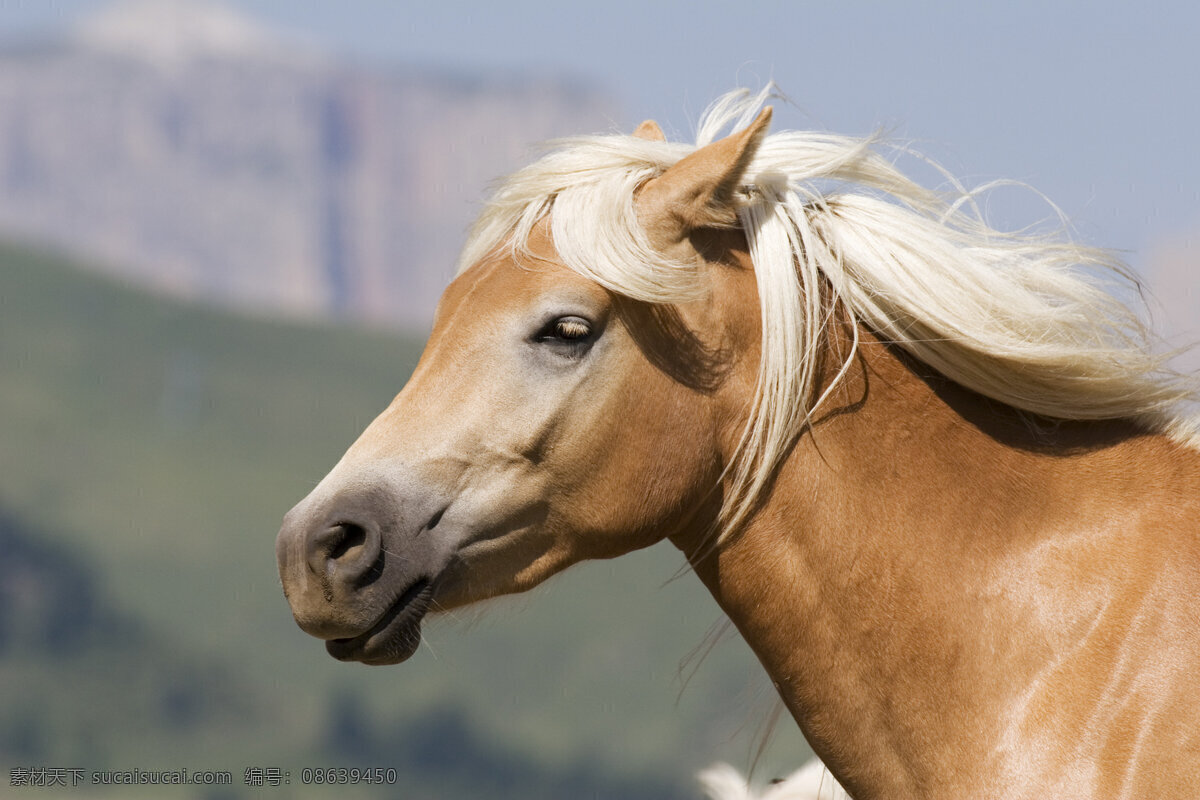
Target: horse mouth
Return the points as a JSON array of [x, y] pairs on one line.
[[395, 636]]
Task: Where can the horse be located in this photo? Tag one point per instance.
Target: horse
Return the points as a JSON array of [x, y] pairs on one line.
[[938, 475]]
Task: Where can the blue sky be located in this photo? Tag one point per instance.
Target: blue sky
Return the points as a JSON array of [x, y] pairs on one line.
[[1095, 104]]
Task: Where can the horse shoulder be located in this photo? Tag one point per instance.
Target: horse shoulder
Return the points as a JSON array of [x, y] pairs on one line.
[[1113, 704]]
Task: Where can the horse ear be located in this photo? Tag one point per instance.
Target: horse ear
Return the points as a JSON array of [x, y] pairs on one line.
[[698, 191], [650, 131]]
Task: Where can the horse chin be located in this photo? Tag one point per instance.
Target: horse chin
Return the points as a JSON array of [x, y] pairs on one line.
[[395, 636]]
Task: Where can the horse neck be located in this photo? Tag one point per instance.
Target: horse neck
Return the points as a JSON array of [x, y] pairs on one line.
[[862, 580]]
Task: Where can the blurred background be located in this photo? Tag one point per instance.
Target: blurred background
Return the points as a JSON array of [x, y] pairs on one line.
[[223, 230]]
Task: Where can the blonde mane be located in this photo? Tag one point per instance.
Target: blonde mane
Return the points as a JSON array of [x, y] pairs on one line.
[[1025, 319]]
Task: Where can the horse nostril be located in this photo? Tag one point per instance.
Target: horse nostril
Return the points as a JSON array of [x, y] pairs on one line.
[[346, 548], [352, 536], [433, 521]]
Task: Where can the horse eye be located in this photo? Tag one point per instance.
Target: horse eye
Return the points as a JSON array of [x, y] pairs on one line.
[[568, 335], [570, 329]]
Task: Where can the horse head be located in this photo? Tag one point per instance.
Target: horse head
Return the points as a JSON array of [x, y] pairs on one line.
[[550, 419]]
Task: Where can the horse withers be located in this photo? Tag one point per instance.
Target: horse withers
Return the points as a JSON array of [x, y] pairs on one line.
[[936, 477]]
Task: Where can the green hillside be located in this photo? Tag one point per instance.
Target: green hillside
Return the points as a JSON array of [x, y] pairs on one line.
[[155, 445]]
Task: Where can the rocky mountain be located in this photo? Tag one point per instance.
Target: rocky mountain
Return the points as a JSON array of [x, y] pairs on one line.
[[188, 148]]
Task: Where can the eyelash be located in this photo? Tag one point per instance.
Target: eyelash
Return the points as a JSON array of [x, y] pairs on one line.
[[569, 330], [568, 335]]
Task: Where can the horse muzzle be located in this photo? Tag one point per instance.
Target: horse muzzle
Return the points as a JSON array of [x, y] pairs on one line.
[[359, 561]]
